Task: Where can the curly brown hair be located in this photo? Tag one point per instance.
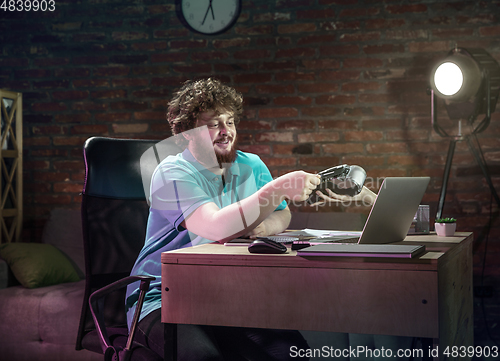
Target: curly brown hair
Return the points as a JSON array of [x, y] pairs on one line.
[[198, 96]]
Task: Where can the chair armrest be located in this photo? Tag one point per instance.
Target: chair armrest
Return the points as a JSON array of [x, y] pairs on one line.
[[112, 287], [96, 302]]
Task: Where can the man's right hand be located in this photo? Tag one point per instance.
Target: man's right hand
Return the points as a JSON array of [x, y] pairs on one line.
[[298, 185]]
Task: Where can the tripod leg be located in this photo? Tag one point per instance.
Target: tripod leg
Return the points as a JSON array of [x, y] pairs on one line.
[[446, 176], [484, 168]]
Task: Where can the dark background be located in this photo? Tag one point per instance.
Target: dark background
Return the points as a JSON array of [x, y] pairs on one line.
[[326, 82]]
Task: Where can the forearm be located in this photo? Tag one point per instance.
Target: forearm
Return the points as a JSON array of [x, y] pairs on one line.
[[368, 197]]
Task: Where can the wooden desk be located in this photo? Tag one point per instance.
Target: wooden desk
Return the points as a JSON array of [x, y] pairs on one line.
[[428, 297]]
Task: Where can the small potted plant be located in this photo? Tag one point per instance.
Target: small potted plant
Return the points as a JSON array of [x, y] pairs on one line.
[[445, 227]]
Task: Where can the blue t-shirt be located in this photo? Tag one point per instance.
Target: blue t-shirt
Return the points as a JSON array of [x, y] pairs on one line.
[[180, 185]]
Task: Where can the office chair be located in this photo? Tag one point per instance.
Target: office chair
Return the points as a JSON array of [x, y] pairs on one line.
[[114, 218]]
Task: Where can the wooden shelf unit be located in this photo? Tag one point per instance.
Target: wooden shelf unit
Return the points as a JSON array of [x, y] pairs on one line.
[[11, 166]]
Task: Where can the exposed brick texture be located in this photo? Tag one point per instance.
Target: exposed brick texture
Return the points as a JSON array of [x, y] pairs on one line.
[[325, 82]]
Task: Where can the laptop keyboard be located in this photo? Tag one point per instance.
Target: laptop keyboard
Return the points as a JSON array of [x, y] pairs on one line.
[[334, 239], [282, 239]]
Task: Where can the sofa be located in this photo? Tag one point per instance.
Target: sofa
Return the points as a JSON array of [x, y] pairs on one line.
[[40, 309]]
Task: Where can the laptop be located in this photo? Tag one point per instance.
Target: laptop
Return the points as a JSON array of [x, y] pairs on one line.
[[394, 209], [391, 214]]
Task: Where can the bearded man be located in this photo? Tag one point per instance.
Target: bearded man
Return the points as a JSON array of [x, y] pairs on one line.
[[212, 192]]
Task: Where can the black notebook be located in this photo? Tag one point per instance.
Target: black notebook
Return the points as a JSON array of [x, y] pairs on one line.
[[363, 250]]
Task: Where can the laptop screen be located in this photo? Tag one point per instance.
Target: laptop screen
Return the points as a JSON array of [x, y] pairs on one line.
[[393, 211]]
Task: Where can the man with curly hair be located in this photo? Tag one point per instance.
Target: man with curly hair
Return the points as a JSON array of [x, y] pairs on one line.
[[212, 192]]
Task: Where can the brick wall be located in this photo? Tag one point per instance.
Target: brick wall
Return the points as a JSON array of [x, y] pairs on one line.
[[325, 81]]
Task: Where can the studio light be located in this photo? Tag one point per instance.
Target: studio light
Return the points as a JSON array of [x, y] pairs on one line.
[[448, 79], [468, 80]]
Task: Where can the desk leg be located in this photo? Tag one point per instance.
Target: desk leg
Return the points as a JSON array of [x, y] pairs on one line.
[[431, 350], [170, 342], [427, 344]]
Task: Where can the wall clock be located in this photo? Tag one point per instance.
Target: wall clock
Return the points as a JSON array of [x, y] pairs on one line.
[[208, 17]]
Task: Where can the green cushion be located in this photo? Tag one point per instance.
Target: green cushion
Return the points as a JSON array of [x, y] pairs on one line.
[[37, 264]]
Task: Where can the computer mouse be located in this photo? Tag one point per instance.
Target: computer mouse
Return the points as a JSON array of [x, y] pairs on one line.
[[265, 245]]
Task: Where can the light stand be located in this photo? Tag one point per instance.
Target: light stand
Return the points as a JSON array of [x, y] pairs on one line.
[[469, 80], [474, 148]]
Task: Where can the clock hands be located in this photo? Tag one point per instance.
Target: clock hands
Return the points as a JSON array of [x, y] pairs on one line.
[[209, 8]]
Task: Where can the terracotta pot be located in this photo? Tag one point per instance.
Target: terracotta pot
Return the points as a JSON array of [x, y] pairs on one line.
[[445, 229]]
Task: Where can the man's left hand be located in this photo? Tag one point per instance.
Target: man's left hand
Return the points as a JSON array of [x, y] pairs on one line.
[[259, 231], [366, 197]]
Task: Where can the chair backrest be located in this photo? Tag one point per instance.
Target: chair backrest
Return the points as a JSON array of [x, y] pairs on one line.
[[114, 217]]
